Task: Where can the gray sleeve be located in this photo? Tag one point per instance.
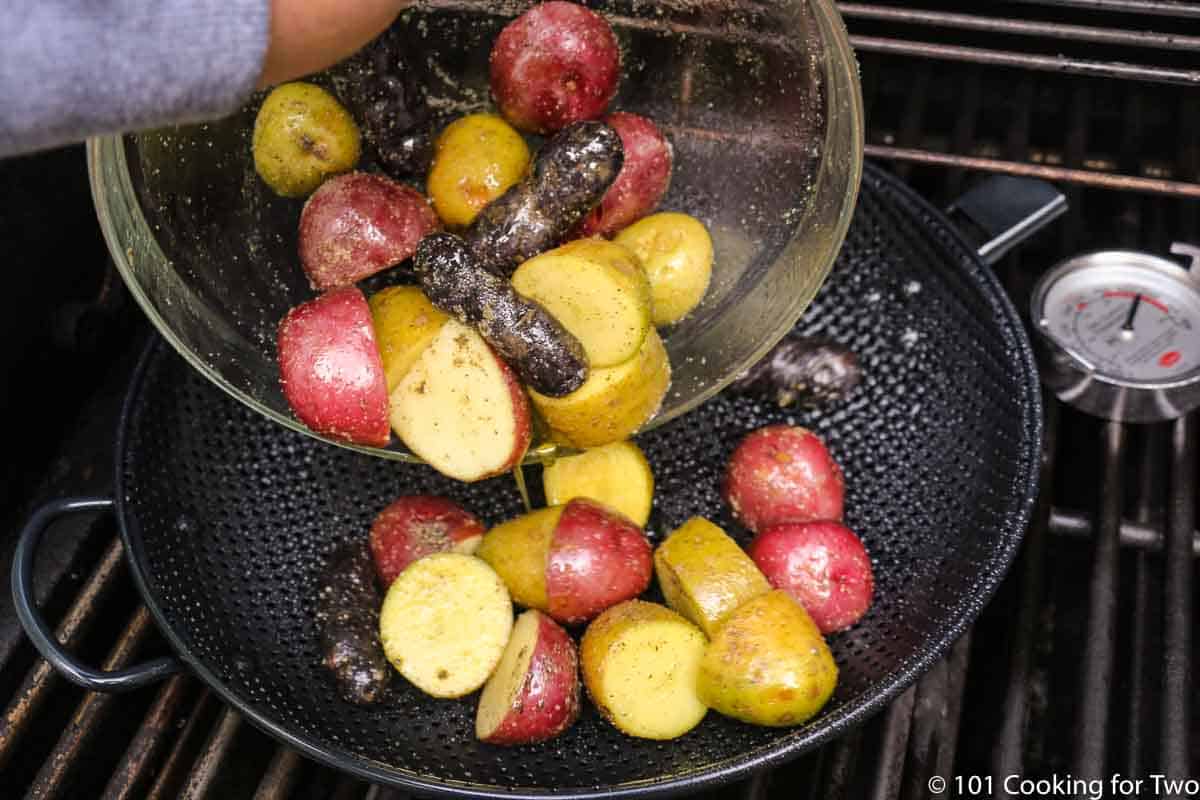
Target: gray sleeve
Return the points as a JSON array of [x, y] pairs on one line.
[[74, 68]]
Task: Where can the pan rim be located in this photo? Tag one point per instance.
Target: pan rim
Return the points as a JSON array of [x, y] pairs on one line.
[[964, 613]]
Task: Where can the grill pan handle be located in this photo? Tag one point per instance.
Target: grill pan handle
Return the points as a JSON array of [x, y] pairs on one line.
[[119, 680], [1003, 211]]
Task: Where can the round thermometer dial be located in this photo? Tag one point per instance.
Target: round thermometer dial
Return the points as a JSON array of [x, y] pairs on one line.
[[1129, 320]]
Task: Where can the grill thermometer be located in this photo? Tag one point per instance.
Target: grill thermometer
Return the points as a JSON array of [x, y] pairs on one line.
[[1119, 333]]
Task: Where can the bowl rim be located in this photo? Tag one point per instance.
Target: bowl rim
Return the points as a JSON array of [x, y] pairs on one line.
[[106, 160]]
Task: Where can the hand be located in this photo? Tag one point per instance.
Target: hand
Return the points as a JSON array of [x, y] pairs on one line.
[[309, 35]]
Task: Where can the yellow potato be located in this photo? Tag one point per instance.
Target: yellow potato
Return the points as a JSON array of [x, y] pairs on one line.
[[613, 402], [704, 575], [640, 663], [617, 475], [445, 622], [598, 291], [405, 324], [677, 254], [302, 135], [517, 550], [476, 159], [768, 665]]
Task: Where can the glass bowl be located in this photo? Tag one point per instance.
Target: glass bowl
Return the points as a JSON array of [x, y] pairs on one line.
[[760, 100]]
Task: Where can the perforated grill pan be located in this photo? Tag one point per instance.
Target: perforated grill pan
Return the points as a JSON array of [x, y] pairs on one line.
[[228, 518]]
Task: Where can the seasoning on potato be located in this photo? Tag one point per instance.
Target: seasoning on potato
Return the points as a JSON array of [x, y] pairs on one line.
[[302, 135], [405, 324], [767, 664], [641, 663], [704, 575], [677, 254], [445, 623], [418, 525], [570, 174], [598, 291], [617, 475], [476, 159]]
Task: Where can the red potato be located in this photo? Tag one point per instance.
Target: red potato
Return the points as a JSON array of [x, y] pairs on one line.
[[643, 180], [555, 64], [358, 224], [534, 693], [598, 557], [418, 525], [783, 473], [331, 370], [461, 408], [822, 565]]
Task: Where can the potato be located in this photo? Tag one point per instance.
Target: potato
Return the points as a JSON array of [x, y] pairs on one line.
[[822, 565], [546, 355], [704, 575], [640, 664], [347, 616], [302, 135], [643, 180], [517, 550], [534, 693], [555, 64], [570, 561], [614, 402], [461, 409], [418, 525], [405, 324], [782, 473], [617, 475], [767, 665], [570, 174], [358, 224], [445, 622], [677, 254], [330, 368], [598, 291], [475, 161]]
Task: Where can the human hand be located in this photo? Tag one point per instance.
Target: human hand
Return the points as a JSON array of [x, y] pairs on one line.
[[309, 35]]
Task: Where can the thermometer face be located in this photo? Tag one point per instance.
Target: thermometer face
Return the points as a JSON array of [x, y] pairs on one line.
[[1125, 321]]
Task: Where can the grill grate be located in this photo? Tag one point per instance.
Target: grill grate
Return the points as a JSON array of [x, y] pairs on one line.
[[948, 94]]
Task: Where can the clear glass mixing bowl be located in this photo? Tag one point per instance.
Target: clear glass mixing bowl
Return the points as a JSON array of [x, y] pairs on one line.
[[761, 101]]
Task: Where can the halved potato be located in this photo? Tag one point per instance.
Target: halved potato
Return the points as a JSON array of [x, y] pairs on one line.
[[445, 622], [768, 665], [518, 551], [640, 664], [598, 291], [613, 402], [704, 575], [617, 475], [405, 324]]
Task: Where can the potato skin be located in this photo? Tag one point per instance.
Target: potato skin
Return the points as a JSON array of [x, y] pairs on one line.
[[476, 159], [418, 525], [767, 664], [544, 353], [553, 65], [614, 402], [704, 575], [330, 368], [677, 253], [347, 615], [822, 565], [644, 178], [569, 175], [598, 557], [302, 135], [616, 474], [518, 550], [783, 473], [358, 224]]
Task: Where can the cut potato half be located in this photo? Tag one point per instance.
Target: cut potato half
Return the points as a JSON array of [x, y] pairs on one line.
[[405, 324], [445, 622], [617, 475], [598, 291], [640, 665], [518, 551]]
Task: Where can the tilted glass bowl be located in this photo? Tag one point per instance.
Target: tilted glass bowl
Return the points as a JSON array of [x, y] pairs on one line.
[[760, 100]]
